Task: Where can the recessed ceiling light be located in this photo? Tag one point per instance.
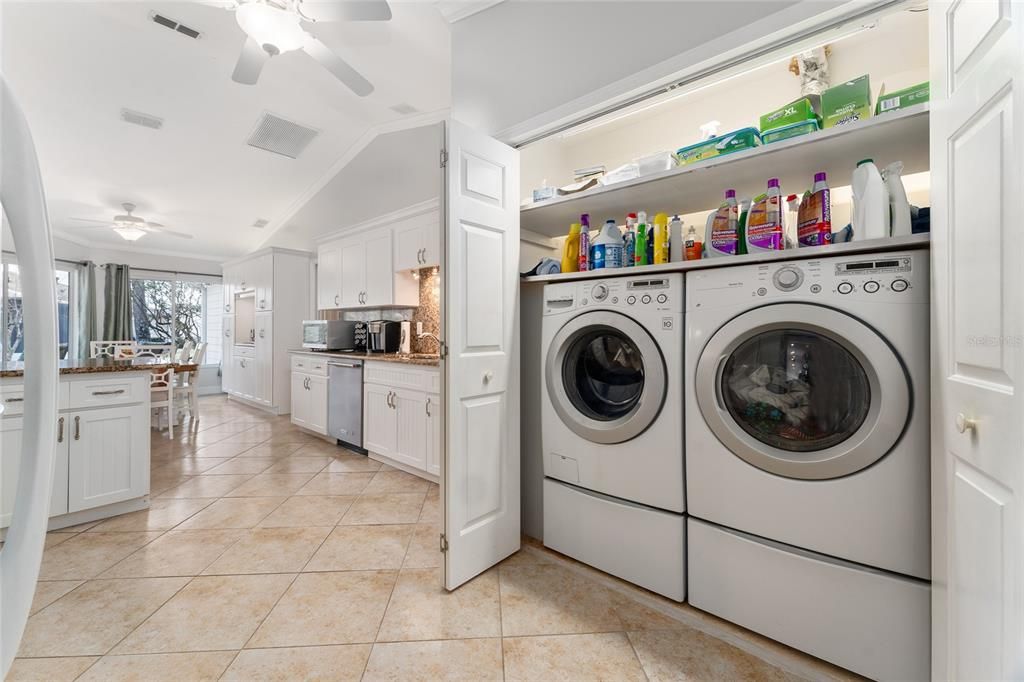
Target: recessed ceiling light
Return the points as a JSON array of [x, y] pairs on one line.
[[404, 109]]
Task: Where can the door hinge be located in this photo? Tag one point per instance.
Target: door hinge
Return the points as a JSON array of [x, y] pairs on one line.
[[444, 158], [443, 350], [444, 543]]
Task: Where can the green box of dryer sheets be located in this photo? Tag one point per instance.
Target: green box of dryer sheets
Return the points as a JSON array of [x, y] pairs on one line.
[[901, 99], [795, 112], [846, 103]]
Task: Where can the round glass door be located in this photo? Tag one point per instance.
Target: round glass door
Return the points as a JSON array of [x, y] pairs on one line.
[[605, 377], [803, 391]]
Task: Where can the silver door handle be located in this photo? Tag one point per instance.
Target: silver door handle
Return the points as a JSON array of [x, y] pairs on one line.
[[391, 399], [335, 299], [60, 430], [388, 399], [427, 407], [117, 392], [15, 400], [77, 429], [343, 364], [307, 383]]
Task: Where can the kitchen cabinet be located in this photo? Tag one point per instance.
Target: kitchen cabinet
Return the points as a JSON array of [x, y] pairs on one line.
[[410, 408], [433, 440], [309, 393], [401, 416], [264, 358], [243, 374], [263, 281], [10, 454], [103, 466], [328, 277], [352, 279], [380, 420], [417, 242]]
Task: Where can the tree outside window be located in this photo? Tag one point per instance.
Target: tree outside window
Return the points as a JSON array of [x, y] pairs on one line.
[[13, 312], [168, 311]]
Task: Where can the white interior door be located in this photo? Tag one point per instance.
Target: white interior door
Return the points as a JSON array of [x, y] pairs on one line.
[[977, 147], [480, 481]]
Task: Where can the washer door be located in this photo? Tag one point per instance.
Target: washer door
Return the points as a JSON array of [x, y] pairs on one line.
[[605, 377], [803, 391]]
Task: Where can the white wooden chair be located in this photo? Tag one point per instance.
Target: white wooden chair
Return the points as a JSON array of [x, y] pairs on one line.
[[119, 350], [161, 351], [161, 391], [189, 381]]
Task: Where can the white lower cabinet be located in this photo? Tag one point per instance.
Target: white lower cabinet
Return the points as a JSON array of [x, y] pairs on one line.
[[433, 441], [401, 415], [10, 454], [309, 394], [380, 429]]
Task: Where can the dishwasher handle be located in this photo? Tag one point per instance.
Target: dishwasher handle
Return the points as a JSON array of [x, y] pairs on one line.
[[344, 364]]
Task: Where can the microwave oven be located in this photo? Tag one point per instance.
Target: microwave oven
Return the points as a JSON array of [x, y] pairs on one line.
[[328, 334]]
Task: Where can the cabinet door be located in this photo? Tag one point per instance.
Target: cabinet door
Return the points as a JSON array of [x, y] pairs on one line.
[[328, 276], [243, 378], [380, 274], [353, 273], [300, 399], [432, 241], [379, 419], [263, 280], [264, 365], [433, 409], [226, 374], [108, 457], [411, 428], [317, 391], [10, 456], [408, 247]]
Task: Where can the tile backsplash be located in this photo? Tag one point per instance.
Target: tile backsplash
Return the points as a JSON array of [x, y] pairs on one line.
[[428, 312]]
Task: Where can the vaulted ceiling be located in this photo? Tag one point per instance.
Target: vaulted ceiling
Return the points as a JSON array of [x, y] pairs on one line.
[[75, 65]]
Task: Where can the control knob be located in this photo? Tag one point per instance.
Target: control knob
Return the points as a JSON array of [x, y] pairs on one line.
[[599, 292], [788, 278], [844, 288]]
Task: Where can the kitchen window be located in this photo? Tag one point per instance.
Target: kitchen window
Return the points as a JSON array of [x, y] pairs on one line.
[[12, 309], [174, 308]]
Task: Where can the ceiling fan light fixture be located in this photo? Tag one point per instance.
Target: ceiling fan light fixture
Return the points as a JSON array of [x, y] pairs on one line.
[[276, 30], [129, 233]]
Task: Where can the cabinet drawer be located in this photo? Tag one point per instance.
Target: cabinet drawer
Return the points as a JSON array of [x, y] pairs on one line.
[[109, 390], [309, 365], [391, 374], [12, 397], [244, 351]]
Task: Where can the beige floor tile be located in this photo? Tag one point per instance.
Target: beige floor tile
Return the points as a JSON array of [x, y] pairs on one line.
[[689, 655], [54, 539], [236, 512], [193, 667], [425, 548], [328, 608], [309, 511], [607, 656], [79, 528], [420, 608], [95, 617], [396, 482], [526, 556], [328, 483], [298, 464], [50, 591], [88, 554], [352, 464], [177, 552], [224, 449], [269, 550], [272, 450], [462, 660], [384, 508], [294, 437], [207, 486], [271, 485], [549, 599], [362, 548], [210, 613], [48, 669], [162, 514], [251, 437], [162, 481], [310, 663], [431, 512], [192, 465], [242, 465]]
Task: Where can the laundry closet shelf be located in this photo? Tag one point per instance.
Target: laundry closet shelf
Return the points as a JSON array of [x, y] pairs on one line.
[[914, 241], [896, 136]]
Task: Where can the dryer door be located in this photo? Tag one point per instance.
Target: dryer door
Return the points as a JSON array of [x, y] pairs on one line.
[[803, 391], [605, 376]]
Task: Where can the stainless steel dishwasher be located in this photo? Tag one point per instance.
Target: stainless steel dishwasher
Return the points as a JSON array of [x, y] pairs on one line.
[[345, 402]]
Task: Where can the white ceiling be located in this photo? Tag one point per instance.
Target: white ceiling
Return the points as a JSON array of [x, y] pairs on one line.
[[74, 65]]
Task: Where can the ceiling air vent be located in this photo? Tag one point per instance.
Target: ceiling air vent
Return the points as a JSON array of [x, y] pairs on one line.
[[261, 223], [404, 109], [140, 119], [277, 135], [174, 25]]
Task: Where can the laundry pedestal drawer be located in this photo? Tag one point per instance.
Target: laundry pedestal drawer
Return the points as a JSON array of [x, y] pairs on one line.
[[636, 543], [872, 622]]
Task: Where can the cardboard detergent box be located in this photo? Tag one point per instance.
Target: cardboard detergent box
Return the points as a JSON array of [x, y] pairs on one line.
[[901, 99], [800, 111], [847, 102]]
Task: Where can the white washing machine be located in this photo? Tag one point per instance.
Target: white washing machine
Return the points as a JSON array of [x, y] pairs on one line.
[[807, 444], [612, 428]]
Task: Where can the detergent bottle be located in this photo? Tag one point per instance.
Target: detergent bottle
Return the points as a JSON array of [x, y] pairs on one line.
[[675, 239], [692, 247], [571, 250], [629, 242], [722, 229], [764, 220], [814, 219], [640, 256], [661, 237], [899, 207], [584, 255], [792, 219], [608, 247], [870, 202]]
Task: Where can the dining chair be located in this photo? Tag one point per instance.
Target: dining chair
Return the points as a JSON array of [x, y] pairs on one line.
[[189, 381], [161, 392], [111, 349]]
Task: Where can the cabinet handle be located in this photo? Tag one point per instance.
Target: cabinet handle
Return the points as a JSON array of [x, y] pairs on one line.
[[336, 299], [427, 407], [227, 334], [77, 429], [15, 400], [117, 392], [60, 430], [241, 363], [388, 399], [262, 332], [305, 383]]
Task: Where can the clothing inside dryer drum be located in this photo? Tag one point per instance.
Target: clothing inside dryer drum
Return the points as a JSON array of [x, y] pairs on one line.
[[603, 374], [795, 390]]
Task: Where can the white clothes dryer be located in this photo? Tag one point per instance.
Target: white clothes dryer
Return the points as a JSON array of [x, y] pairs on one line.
[[807, 441], [612, 427]]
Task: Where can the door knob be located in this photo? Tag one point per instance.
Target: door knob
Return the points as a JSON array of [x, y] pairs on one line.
[[488, 375], [963, 424]]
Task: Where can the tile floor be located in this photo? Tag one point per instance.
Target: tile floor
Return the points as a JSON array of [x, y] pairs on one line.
[[269, 554]]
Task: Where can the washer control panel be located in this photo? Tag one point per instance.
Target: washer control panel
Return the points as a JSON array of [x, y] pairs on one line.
[[664, 293]]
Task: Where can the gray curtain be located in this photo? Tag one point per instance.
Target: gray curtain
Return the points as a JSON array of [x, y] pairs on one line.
[[117, 304], [85, 316]]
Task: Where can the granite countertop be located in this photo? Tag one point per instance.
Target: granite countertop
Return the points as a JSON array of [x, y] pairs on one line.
[[98, 365], [420, 359]]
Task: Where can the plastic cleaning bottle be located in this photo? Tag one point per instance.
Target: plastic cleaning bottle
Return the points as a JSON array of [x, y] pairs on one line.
[[722, 230], [741, 225], [792, 218], [692, 247], [571, 250], [899, 207], [584, 259], [640, 255], [629, 242], [661, 238], [814, 219], [870, 202], [675, 239], [764, 221], [608, 247]]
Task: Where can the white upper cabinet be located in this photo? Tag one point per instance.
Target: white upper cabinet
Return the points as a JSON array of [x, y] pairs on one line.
[[418, 242], [352, 277], [328, 276], [379, 285], [263, 281]]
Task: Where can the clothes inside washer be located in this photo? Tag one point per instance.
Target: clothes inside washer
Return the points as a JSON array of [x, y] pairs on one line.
[[604, 374]]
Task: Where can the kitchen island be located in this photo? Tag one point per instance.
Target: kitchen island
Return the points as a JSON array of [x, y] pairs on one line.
[[101, 467]]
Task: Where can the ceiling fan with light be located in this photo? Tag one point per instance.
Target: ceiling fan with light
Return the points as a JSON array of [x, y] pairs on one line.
[[273, 27], [131, 227]]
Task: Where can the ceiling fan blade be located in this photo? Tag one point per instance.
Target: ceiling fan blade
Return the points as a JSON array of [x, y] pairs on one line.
[[341, 69], [250, 63], [105, 223], [105, 226], [157, 228], [346, 10]]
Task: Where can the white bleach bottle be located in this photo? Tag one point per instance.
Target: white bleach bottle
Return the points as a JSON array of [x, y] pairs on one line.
[[870, 202], [899, 206]]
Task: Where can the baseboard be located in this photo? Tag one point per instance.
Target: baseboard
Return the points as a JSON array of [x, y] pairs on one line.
[[383, 459]]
